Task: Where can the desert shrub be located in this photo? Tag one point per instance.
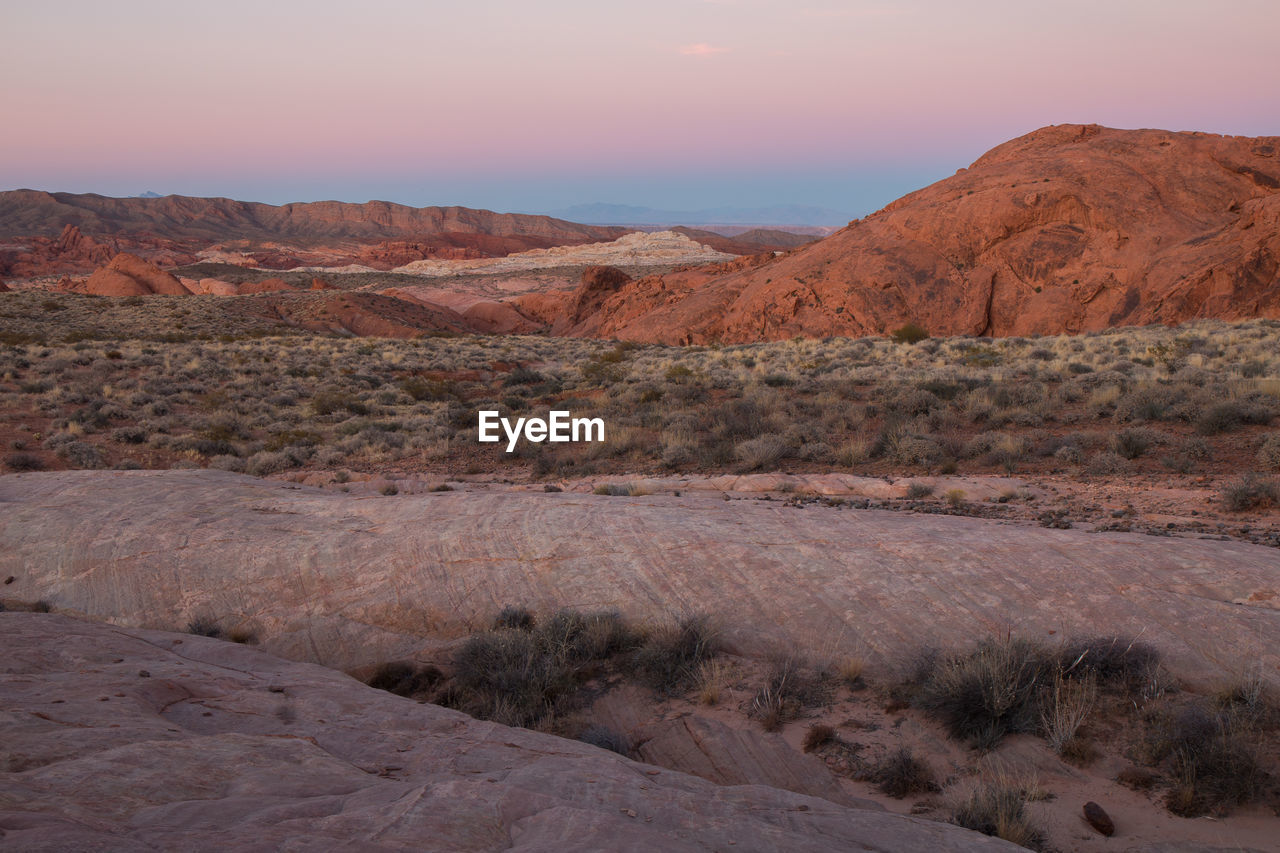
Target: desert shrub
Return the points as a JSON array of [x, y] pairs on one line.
[[918, 450], [999, 808], [517, 677], [909, 334], [23, 462], [1118, 662], [329, 402], [227, 462], [919, 491], [1132, 443], [1212, 758], [1226, 416], [421, 389], [917, 402], [406, 679], [264, 462], [1145, 404], [514, 617], [1069, 454], [1065, 703], [1250, 492], [790, 686], [204, 626], [671, 655], [523, 376], [901, 773], [1102, 464], [81, 454], [1269, 453], [762, 452], [606, 738], [984, 694], [129, 435], [818, 736]]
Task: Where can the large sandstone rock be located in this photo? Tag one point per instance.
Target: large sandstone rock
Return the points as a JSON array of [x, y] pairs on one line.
[[139, 740], [129, 275], [348, 580], [1070, 228]]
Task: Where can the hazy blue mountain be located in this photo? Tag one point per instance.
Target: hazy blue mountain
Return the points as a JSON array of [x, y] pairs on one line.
[[625, 214]]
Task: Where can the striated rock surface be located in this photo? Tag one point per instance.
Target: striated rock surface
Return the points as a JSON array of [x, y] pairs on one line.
[[1070, 228], [122, 739], [129, 275], [348, 580]]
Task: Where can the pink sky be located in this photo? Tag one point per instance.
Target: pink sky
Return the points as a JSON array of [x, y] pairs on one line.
[[678, 103]]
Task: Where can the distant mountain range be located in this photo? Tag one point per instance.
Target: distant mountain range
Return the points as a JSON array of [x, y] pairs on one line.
[[625, 214]]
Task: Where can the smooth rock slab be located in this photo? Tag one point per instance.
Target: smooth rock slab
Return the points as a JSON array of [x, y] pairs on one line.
[[345, 580], [221, 747]]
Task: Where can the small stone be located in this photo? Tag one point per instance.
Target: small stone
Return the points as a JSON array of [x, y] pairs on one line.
[[1099, 819]]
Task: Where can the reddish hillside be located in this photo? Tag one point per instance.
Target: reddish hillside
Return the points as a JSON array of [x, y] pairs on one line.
[[1067, 229], [34, 230]]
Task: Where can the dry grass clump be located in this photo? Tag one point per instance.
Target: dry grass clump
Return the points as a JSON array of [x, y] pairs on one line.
[[998, 807], [792, 684], [672, 655], [901, 773], [1250, 492], [817, 736], [713, 677], [1064, 706], [517, 677], [1269, 453], [1212, 756], [984, 694], [1118, 662], [406, 679]]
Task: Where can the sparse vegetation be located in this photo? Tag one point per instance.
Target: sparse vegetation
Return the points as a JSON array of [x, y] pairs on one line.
[[901, 773], [221, 394], [989, 692], [1250, 492], [672, 655], [998, 807]]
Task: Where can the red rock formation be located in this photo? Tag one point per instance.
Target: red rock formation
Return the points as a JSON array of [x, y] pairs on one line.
[[499, 318], [376, 233], [1070, 228], [321, 284], [598, 284], [267, 285], [129, 275], [369, 315]]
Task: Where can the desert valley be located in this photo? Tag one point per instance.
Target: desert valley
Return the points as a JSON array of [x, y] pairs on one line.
[[954, 528]]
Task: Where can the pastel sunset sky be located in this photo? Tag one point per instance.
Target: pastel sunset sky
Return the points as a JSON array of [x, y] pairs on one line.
[[534, 106]]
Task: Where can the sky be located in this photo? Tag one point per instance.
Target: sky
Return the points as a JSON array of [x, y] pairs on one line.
[[534, 106]]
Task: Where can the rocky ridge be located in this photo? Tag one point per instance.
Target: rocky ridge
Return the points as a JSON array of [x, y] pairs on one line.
[[1071, 228]]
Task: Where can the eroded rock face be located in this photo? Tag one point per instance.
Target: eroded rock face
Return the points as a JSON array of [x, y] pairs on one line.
[[139, 740], [129, 275], [1070, 228], [351, 580]]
